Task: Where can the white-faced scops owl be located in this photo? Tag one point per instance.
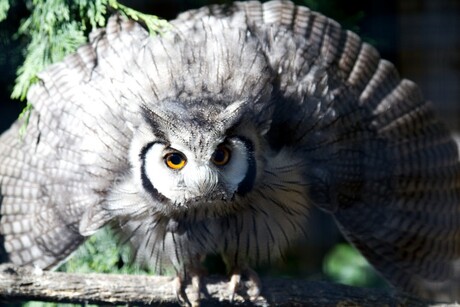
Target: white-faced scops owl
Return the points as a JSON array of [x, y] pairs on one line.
[[219, 136]]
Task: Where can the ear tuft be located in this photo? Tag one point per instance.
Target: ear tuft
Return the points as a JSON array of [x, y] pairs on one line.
[[232, 112]]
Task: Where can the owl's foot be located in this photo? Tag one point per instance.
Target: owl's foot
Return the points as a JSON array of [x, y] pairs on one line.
[[188, 290], [251, 283]]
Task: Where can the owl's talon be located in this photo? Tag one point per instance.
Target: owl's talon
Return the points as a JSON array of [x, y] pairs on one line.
[[253, 285], [194, 294], [234, 284], [179, 290], [188, 294]]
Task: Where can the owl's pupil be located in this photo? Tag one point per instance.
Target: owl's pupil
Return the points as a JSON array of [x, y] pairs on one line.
[[176, 159], [219, 155]]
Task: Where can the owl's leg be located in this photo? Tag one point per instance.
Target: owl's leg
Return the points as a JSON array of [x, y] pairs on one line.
[[251, 282], [188, 290], [187, 284]]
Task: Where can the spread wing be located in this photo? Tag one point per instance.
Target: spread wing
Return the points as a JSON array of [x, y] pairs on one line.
[[377, 157], [75, 146]]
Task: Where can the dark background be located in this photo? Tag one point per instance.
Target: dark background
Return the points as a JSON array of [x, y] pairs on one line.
[[421, 37]]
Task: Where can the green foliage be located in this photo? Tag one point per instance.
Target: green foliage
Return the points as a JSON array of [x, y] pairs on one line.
[[53, 32], [344, 264], [25, 114], [101, 253], [4, 7], [154, 24]]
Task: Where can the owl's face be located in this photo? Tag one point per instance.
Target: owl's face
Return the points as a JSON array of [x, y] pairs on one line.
[[178, 173], [187, 160]]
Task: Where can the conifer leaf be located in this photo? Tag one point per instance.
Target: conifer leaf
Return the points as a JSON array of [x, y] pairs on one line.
[[154, 24]]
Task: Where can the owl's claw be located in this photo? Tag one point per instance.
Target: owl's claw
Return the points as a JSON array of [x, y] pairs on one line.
[[252, 283], [188, 293], [234, 283]]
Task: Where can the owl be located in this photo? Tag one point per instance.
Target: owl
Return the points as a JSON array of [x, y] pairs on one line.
[[219, 137]]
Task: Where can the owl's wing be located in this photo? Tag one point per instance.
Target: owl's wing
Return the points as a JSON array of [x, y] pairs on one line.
[[75, 146], [376, 156]]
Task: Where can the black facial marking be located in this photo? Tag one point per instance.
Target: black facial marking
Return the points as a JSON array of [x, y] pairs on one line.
[[247, 183], [146, 183]]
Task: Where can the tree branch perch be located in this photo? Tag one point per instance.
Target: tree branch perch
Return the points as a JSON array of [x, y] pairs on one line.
[[21, 284]]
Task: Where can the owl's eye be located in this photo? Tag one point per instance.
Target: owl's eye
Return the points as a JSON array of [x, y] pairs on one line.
[[221, 156], [175, 160]]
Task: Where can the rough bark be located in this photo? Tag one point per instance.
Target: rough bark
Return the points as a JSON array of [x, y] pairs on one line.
[[22, 284]]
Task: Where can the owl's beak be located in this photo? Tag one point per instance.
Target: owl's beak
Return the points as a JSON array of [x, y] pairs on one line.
[[213, 193], [205, 183]]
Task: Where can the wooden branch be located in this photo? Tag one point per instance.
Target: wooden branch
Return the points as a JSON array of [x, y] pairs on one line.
[[22, 284]]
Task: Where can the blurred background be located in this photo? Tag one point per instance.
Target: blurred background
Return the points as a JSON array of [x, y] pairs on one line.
[[421, 37]]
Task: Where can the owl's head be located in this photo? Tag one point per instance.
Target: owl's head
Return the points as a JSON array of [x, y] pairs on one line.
[[186, 156]]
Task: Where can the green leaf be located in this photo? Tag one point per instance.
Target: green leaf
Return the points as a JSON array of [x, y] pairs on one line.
[[52, 36], [344, 264], [154, 24], [25, 114], [102, 253], [4, 8]]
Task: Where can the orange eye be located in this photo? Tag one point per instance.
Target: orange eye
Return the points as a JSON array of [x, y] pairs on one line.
[[221, 156], [175, 160]]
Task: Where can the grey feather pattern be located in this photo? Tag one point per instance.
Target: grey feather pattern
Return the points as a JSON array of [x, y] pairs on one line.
[[326, 121]]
